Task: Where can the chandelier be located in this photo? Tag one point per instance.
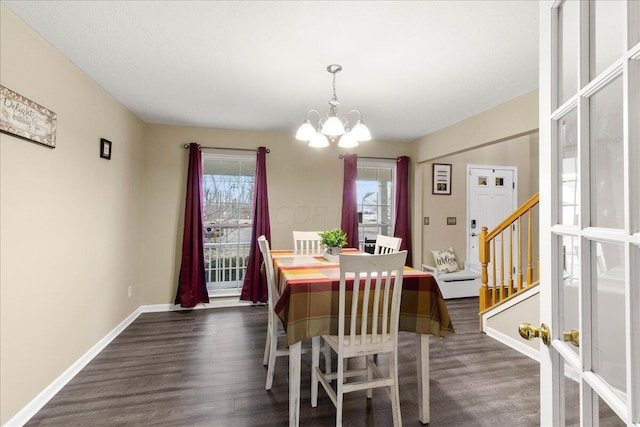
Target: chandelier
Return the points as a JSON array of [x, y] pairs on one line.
[[332, 127]]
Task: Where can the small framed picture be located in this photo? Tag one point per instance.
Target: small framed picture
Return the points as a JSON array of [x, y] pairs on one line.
[[441, 178], [105, 149]]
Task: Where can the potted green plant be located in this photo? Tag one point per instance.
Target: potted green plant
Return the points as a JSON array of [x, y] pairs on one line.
[[334, 240]]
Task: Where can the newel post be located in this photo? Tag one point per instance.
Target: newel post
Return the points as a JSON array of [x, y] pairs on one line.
[[484, 257]]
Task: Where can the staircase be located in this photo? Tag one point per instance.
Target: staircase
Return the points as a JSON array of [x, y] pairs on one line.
[[509, 291]]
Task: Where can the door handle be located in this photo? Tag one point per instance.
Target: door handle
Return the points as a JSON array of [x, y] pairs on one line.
[[529, 332], [473, 234], [572, 336]]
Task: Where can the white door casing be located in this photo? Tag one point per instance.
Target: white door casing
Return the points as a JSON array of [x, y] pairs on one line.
[[491, 197], [590, 260]]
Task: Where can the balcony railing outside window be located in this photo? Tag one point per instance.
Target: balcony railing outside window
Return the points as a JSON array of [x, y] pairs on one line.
[[225, 258]]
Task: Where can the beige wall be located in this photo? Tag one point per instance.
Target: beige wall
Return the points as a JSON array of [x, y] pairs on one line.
[[304, 185], [69, 220], [437, 235], [503, 135], [516, 117]]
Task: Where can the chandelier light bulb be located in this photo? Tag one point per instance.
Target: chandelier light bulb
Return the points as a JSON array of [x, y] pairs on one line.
[[361, 132], [306, 131], [319, 141], [333, 126], [347, 141]]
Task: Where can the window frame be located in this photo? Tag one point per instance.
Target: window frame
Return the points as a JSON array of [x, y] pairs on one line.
[[213, 249], [376, 164]]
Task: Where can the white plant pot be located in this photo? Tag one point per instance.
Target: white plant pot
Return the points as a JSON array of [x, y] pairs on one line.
[[334, 250]]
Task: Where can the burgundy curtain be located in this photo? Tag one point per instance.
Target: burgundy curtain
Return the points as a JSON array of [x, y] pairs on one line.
[[349, 223], [402, 227], [192, 285], [254, 287]]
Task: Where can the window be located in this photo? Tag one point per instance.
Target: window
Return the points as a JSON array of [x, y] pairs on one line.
[[228, 183], [375, 184]]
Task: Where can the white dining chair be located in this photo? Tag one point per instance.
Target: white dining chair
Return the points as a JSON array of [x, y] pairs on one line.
[[307, 242], [367, 326], [271, 350], [387, 244]]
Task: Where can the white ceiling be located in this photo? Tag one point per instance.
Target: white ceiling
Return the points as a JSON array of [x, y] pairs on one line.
[[411, 67]]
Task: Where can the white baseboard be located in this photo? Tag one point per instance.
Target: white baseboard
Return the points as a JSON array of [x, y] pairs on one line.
[[513, 343], [214, 303], [32, 408]]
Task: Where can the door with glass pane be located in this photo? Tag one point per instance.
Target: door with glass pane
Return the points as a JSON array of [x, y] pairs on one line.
[[589, 212], [375, 187], [228, 184]]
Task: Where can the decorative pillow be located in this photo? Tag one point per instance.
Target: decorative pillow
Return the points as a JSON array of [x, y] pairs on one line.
[[445, 260]]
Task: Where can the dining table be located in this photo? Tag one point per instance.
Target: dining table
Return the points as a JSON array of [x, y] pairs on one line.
[[308, 308]]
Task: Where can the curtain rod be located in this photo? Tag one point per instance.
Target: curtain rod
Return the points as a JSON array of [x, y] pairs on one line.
[[227, 148], [341, 156]]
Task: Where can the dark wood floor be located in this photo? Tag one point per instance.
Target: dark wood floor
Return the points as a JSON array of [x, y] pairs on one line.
[[204, 368]]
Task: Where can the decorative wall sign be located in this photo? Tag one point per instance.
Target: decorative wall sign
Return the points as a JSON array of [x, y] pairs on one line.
[[105, 149], [441, 178], [25, 119]]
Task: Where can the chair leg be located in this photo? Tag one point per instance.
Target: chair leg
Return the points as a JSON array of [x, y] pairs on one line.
[[369, 360], [339, 393], [315, 364], [395, 390], [326, 350], [273, 345], [267, 344]]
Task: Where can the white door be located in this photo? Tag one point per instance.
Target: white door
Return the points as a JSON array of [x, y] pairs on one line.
[[491, 197], [590, 212]]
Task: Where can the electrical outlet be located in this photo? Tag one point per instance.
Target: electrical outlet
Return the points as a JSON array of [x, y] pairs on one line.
[[426, 220], [451, 220]]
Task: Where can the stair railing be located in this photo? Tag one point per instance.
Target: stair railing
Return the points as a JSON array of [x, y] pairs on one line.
[[500, 289]]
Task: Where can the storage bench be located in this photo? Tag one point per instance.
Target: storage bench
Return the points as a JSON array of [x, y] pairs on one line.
[[459, 284]]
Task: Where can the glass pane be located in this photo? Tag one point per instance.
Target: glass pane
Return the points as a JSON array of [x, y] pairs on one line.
[[568, 51], [634, 135], [570, 284], [227, 184], [607, 34], [571, 401], [633, 16], [609, 344], [605, 144], [375, 203], [568, 146], [607, 417]]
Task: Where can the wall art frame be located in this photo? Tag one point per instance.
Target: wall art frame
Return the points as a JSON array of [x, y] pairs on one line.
[[105, 148], [442, 179], [25, 119]]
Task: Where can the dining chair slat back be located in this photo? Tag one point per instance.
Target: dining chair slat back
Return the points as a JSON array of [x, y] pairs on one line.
[[307, 242], [387, 244], [372, 310]]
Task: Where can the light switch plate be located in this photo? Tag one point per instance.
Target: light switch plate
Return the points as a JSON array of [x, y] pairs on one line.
[[451, 220]]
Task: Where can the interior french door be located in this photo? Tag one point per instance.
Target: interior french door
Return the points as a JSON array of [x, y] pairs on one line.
[[589, 212]]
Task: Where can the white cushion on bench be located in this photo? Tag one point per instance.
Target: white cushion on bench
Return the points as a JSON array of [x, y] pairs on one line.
[[459, 284]]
